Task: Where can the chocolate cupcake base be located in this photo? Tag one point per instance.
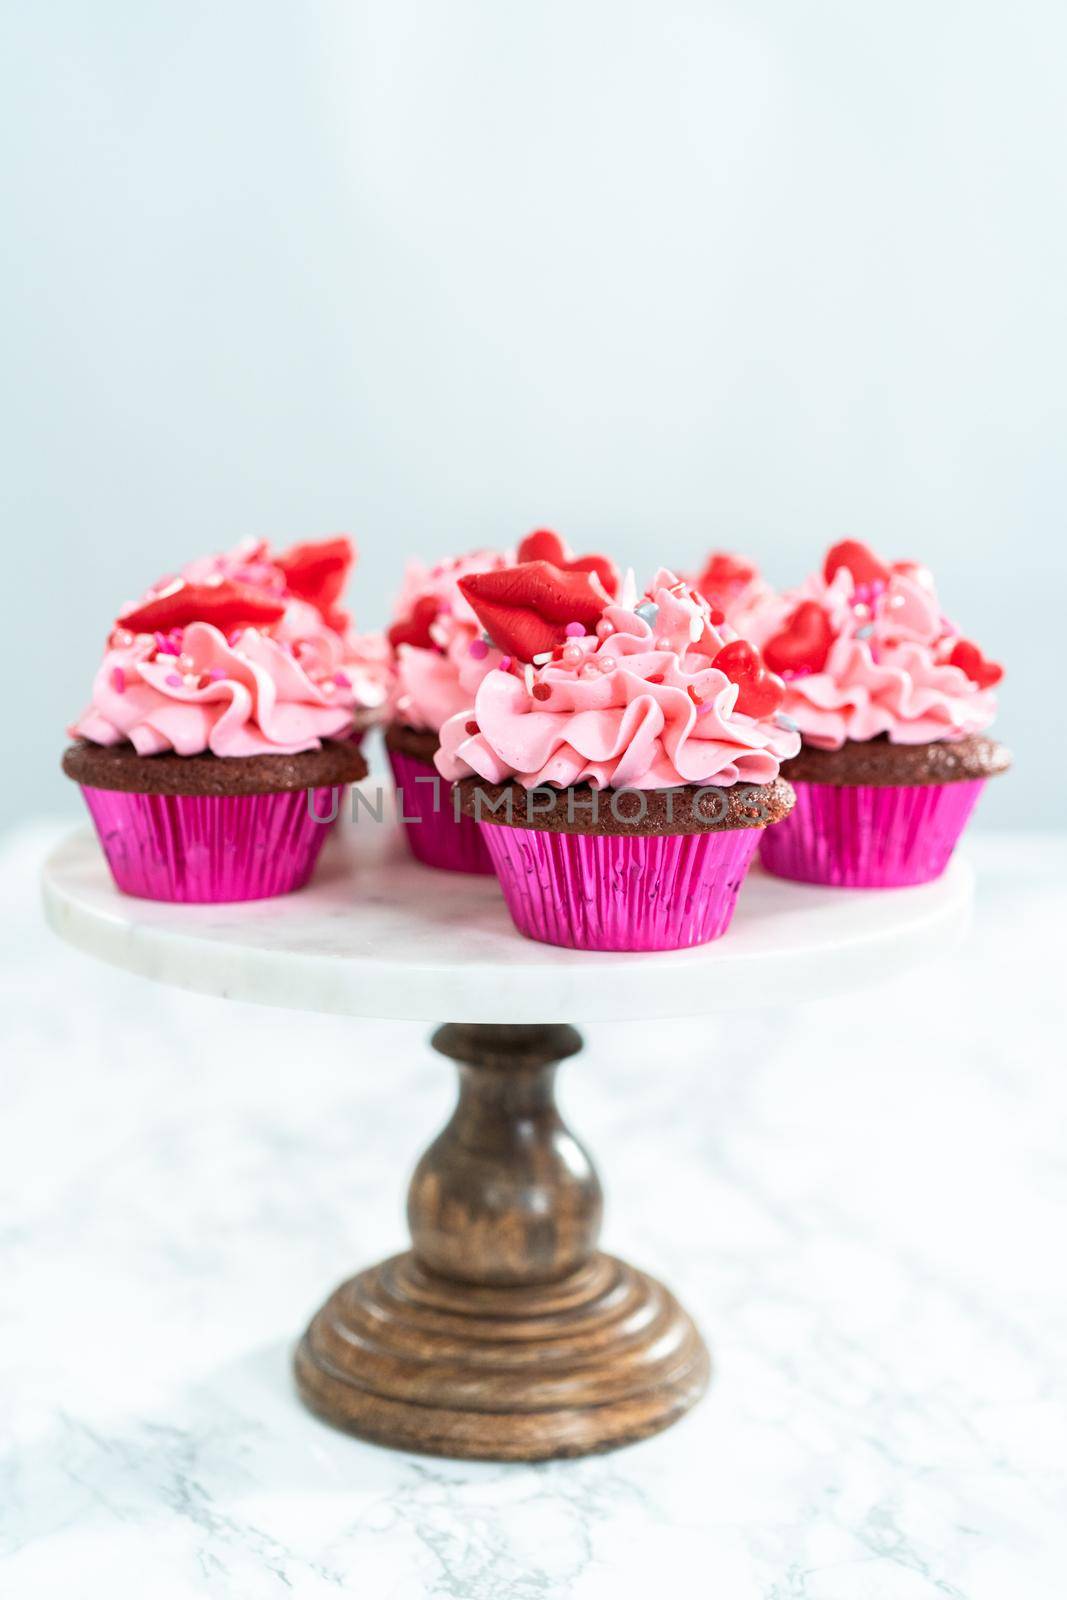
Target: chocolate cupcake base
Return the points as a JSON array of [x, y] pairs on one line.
[[435, 834], [209, 829], [625, 813], [881, 763], [119, 768], [877, 815], [622, 869]]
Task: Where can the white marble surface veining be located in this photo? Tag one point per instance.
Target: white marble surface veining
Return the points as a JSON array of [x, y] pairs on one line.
[[862, 1201]]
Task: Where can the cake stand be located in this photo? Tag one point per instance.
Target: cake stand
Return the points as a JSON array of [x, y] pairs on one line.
[[503, 1333]]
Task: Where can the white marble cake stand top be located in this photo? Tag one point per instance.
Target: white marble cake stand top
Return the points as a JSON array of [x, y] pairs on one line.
[[376, 934]]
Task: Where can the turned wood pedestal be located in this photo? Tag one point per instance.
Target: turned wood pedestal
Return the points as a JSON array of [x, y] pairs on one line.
[[503, 1333]]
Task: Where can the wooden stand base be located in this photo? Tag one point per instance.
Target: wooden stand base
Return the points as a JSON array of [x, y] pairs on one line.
[[504, 1334]]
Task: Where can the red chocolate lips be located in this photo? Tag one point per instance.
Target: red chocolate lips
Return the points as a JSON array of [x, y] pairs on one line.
[[526, 609]]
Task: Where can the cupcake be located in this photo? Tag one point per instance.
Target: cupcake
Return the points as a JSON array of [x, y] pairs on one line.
[[219, 734], [892, 704], [621, 759], [441, 656]]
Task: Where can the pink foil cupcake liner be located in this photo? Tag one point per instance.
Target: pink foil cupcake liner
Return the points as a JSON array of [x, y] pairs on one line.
[[435, 836], [612, 892], [211, 848], [863, 836]]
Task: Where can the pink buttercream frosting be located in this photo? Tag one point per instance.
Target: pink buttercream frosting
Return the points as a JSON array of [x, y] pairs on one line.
[[277, 689], [637, 705], [436, 680], [887, 670]]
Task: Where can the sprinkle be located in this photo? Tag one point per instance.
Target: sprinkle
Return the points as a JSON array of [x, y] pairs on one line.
[[786, 722], [478, 649], [663, 644], [471, 728], [572, 654], [574, 630], [173, 679], [866, 631], [164, 646], [191, 680], [654, 677], [541, 691], [716, 617], [694, 696], [648, 611], [505, 663], [123, 637], [542, 658], [118, 680], [604, 627], [215, 674], [696, 627], [342, 680], [605, 663], [528, 677]]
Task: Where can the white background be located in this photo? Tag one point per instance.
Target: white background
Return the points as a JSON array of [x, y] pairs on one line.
[[662, 275]]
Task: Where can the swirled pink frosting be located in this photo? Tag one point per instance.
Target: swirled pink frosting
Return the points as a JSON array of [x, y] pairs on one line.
[[435, 681], [639, 705], [280, 689], [887, 670]]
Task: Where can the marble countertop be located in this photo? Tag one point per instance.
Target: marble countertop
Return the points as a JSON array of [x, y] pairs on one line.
[[862, 1201]]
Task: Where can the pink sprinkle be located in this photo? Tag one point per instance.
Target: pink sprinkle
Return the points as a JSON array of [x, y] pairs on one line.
[[342, 680], [478, 649], [574, 630], [164, 646], [505, 663], [118, 680], [215, 674], [173, 679]]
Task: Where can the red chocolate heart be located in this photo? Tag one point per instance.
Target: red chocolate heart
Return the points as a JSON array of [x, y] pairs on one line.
[[226, 605], [724, 576], [544, 545], [971, 661], [525, 609], [317, 572], [761, 693], [863, 564], [415, 628], [804, 643]]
